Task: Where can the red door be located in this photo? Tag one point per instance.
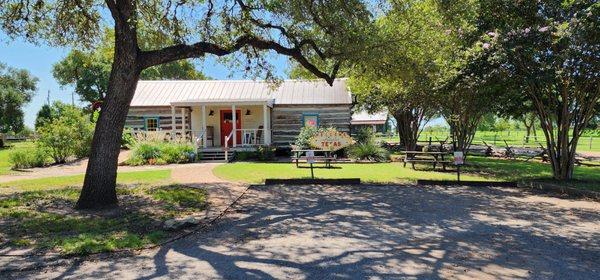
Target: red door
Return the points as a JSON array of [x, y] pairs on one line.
[[227, 126]]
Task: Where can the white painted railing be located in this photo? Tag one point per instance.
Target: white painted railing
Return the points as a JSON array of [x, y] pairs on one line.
[[252, 137], [226, 145]]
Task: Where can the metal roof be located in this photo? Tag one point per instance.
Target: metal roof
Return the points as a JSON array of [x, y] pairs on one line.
[[363, 117], [164, 93]]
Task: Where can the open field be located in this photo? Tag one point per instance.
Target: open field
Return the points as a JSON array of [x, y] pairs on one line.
[[513, 138]]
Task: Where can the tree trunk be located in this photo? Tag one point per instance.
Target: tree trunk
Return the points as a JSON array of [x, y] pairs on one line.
[[409, 125], [99, 186]]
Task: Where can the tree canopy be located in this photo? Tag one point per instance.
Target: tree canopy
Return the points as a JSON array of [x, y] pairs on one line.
[[550, 52], [17, 87], [89, 70]]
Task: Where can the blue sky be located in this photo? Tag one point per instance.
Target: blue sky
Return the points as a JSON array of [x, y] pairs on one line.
[[38, 60]]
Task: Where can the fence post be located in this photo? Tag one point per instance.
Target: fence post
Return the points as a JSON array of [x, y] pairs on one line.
[[591, 142]]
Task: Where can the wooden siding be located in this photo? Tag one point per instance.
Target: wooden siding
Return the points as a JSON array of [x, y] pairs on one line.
[[136, 115], [287, 120]]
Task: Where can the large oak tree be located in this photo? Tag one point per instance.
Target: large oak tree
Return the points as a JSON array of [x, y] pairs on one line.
[[243, 31]]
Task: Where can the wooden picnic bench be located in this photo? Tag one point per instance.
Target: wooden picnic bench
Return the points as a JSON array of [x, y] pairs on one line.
[[434, 158], [326, 158]]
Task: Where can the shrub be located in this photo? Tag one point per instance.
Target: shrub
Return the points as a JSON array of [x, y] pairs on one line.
[[364, 135], [303, 139], [128, 139], [157, 152], [28, 159], [265, 153], [69, 134], [368, 151]]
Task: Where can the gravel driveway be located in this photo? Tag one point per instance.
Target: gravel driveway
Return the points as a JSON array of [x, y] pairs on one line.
[[378, 232]]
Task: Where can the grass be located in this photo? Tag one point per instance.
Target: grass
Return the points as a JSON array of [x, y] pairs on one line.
[[5, 165], [254, 172], [479, 168], [514, 138], [519, 170], [44, 220], [151, 176]]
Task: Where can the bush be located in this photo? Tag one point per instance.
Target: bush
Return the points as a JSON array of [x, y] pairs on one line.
[[28, 159], [303, 139], [364, 135], [368, 151], [157, 152], [69, 134], [127, 140], [265, 153]]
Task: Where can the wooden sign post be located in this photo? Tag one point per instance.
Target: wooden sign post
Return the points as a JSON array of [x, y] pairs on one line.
[[310, 158], [459, 160]]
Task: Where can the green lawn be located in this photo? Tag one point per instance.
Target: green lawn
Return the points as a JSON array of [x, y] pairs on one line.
[[151, 176], [479, 168], [519, 170], [12, 146], [514, 138], [254, 172]]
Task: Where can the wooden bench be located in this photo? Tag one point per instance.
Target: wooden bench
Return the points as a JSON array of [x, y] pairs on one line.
[[434, 158], [327, 158]]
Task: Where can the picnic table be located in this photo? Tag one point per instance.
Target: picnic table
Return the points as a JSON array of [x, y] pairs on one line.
[[433, 157], [327, 157]]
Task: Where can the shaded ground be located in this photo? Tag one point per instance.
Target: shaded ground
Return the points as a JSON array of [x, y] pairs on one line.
[[318, 232]]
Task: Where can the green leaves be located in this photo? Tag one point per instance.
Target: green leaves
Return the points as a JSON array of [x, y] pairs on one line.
[[17, 87]]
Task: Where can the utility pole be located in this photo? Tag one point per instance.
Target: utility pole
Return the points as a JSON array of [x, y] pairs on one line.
[[48, 98], [73, 98]]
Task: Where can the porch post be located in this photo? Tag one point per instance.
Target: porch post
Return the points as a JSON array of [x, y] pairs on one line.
[[204, 126], [234, 117], [266, 125], [172, 122], [183, 122]]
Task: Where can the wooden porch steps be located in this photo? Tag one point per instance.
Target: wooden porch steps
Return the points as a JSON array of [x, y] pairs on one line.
[[215, 155]]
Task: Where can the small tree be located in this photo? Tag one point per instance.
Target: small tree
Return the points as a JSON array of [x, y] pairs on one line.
[[66, 135], [551, 51], [17, 87]]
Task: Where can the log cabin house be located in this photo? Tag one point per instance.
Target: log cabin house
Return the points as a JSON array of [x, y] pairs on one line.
[[211, 112]]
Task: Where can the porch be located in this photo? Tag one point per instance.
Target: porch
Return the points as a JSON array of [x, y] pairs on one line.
[[230, 124]]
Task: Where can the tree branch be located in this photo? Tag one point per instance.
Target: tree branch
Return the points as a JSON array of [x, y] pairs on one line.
[[184, 51]]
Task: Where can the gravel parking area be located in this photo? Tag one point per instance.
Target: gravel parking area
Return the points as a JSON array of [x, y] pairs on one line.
[[378, 232]]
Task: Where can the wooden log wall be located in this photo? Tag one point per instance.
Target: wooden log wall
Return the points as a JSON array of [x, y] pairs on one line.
[[136, 115], [287, 120]]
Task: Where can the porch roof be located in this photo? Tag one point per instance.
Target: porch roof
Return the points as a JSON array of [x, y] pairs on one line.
[[223, 102]]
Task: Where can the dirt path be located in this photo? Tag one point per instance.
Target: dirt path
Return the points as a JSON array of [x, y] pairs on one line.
[[378, 232]]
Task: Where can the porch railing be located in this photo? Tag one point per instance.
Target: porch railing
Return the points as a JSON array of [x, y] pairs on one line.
[[252, 137]]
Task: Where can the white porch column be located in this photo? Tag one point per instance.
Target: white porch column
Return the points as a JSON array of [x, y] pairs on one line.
[[234, 118], [266, 125], [183, 123], [172, 122], [204, 126]]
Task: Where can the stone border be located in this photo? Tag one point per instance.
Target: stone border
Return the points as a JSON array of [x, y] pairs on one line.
[[344, 181], [468, 183]]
